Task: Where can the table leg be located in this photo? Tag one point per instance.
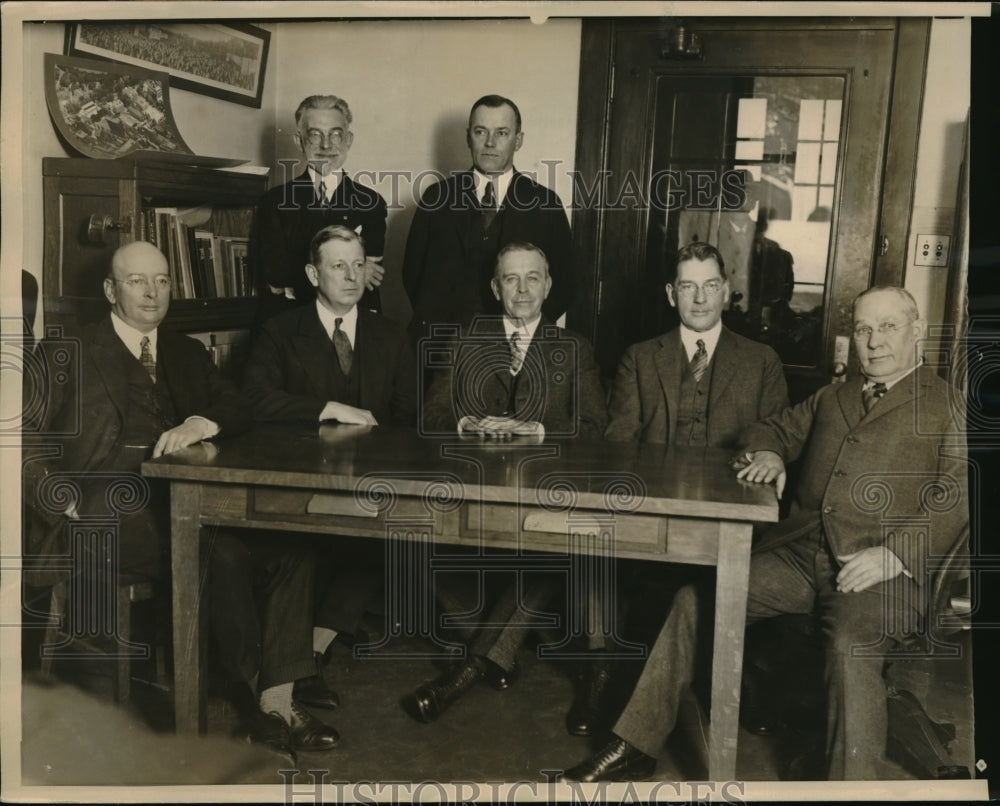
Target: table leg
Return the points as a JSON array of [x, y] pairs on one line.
[[732, 577], [189, 638]]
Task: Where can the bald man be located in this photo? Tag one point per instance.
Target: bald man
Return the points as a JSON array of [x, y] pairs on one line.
[[137, 391]]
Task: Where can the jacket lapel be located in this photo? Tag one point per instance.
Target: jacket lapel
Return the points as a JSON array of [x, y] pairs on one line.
[[725, 364], [901, 394], [368, 349], [849, 398], [314, 349], [105, 355], [670, 360]]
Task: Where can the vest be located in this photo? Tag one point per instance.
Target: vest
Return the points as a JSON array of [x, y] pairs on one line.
[[346, 388], [150, 412], [692, 407]]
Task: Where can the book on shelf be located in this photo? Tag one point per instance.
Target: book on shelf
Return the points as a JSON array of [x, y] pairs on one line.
[[205, 247]]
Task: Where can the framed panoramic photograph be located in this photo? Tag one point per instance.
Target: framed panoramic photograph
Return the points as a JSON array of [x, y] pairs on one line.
[[224, 61]]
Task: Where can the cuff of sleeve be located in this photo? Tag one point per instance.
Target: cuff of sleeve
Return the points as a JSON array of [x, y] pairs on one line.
[[463, 423], [210, 428]]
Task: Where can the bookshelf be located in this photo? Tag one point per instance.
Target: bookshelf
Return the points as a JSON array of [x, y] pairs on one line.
[[199, 217]]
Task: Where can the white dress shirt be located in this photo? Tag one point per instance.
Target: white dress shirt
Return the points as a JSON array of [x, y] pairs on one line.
[[328, 318], [500, 184], [689, 338]]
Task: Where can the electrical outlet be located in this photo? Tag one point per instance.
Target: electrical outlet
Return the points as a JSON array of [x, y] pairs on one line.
[[932, 250]]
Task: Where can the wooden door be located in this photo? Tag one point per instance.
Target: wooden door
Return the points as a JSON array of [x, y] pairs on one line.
[[772, 145]]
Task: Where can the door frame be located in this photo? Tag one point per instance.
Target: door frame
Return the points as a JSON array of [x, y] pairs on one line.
[[597, 65]]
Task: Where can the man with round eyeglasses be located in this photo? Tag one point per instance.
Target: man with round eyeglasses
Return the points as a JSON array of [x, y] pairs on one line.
[[699, 384], [322, 195]]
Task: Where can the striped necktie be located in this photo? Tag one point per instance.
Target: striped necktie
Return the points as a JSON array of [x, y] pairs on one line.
[[516, 353], [699, 362], [146, 358]]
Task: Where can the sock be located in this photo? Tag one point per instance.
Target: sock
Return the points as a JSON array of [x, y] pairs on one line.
[[279, 699], [322, 638]]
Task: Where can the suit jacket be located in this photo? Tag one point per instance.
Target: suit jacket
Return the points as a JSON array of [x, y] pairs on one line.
[[289, 373], [287, 218], [873, 479], [85, 405], [558, 385], [747, 385], [446, 267]]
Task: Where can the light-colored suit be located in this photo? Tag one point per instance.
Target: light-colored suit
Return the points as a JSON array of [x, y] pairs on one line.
[[747, 385]]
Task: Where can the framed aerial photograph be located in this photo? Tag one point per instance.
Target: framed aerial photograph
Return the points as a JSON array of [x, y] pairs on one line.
[[223, 61]]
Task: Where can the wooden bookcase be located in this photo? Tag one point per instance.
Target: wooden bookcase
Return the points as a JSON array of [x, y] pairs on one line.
[[120, 192]]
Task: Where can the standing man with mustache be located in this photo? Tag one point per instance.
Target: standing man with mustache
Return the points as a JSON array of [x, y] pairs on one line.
[[463, 222], [323, 195]]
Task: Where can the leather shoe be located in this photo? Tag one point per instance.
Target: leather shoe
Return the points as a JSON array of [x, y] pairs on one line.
[[308, 733], [498, 677], [269, 730], [585, 714], [619, 761], [432, 699], [313, 690]]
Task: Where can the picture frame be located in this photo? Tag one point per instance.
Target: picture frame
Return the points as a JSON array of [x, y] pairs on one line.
[[225, 61]]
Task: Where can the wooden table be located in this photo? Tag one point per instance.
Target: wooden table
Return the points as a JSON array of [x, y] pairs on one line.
[[675, 505]]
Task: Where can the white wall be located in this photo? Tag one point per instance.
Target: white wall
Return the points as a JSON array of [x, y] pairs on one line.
[[410, 84], [939, 158], [210, 127]]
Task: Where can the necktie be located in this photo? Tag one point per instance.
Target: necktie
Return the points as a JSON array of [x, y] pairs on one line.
[[146, 358], [516, 354], [342, 345], [489, 205], [321, 191], [699, 362], [872, 395]]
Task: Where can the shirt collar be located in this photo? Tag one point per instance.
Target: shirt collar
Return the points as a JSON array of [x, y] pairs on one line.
[[332, 182], [525, 332], [869, 383], [131, 337], [689, 338], [500, 183], [329, 321]]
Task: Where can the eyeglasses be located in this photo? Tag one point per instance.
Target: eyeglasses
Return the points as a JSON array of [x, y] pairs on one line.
[[138, 281], [711, 288], [889, 328], [315, 137]]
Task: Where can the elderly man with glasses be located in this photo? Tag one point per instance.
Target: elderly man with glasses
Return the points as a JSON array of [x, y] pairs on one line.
[[323, 195], [881, 497]]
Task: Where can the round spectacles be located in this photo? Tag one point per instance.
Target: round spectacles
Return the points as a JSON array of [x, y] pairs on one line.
[[710, 288], [316, 138], [885, 328]]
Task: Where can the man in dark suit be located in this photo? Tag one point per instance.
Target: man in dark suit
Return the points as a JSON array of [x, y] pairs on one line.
[[147, 392], [462, 223], [323, 195], [334, 361], [854, 550], [514, 376], [698, 384]]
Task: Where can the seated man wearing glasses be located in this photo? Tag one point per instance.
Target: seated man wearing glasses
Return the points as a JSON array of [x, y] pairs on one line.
[[699, 384], [323, 195]]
